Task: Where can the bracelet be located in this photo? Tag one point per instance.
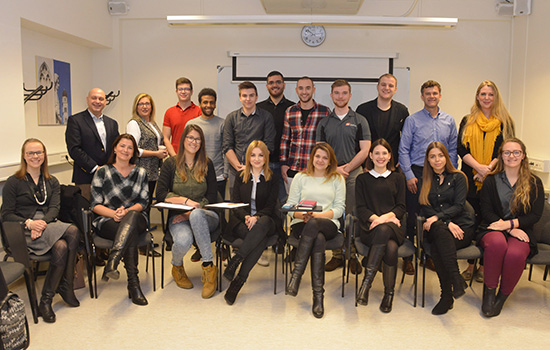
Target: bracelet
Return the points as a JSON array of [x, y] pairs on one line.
[[28, 223], [511, 224]]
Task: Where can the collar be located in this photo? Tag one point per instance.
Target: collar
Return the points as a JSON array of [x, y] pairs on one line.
[[190, 106], [299, 104], [250, 115], [100, 118], [427, 113], [376, 175]]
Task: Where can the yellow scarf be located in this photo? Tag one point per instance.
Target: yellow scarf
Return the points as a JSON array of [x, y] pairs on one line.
[[481, 148]]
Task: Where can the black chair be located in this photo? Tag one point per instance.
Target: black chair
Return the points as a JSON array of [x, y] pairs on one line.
[[406, 250], [93, 241], [542, 233], [472, 252], [13, 240], [341, 241]]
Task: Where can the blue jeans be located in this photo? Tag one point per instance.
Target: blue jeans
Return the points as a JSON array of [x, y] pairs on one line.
[[201, 222]]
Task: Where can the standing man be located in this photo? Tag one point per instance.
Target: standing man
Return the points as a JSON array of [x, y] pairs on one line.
[[420, 129], [89, 137], [384, 115], [300, 125], [243, 126], [349, 135], [177, 117], [212, 127], [276, 104]]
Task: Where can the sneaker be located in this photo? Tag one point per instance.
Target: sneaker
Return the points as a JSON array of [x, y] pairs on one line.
[[333, 264], [467, 275], [196, 257], [480, 276], [263, 261]]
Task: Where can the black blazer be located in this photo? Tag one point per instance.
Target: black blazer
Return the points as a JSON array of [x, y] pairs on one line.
[[85, 146], [266, 199]]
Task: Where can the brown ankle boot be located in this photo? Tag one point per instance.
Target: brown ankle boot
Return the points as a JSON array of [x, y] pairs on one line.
[[209, 278], [178, 272]]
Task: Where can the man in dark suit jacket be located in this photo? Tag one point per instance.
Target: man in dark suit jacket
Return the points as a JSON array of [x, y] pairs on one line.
[[89, 137]]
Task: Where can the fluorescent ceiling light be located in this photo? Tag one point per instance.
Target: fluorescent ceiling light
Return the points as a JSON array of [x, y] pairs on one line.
[[315, 19]]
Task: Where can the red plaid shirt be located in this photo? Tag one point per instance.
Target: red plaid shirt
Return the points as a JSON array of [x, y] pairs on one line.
[[297, 141]]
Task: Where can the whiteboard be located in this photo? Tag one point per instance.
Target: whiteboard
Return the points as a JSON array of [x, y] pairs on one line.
[[228, 92]]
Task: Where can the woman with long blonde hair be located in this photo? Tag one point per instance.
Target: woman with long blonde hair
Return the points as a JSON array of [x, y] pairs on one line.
[[259, 186], [323, 184], [512, 201], [479, 138]]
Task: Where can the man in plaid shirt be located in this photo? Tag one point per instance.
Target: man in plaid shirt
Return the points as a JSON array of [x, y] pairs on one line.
[[300, 124]]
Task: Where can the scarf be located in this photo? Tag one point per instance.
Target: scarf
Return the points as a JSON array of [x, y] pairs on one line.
[[481, 136]]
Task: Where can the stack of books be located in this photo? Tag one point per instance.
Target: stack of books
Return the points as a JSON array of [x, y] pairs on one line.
[[306, 205]]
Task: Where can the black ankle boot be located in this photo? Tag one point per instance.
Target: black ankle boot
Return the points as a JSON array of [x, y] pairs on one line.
[[51, 282], [66, 286], [126, 231], [376, 253], [300, 261], [232, 266], [134, 289], [499, 303], [445, 304], [233, 290], [318, 282], [459, 285], [487, 306], [388, 275]]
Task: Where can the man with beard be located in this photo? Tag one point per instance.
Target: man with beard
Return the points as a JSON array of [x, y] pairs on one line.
[[300, 125], [347, 132], [276, 104]]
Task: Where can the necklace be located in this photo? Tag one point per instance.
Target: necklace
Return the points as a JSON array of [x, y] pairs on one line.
[[34, 189]]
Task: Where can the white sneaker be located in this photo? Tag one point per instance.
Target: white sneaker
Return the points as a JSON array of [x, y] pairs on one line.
[[263, 261]]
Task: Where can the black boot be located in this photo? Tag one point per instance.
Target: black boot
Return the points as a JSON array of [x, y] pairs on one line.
[[376, 253], [446, 301], [300, 262], [66, 286], [489, 295], [134, 290], [233, 290], [499, 303], [318, 282], [126, 232], [51, 282], [459, 285], [388, 275], [232, 266]]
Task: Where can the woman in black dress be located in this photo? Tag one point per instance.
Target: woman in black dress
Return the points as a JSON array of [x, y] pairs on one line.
[[380, 201]]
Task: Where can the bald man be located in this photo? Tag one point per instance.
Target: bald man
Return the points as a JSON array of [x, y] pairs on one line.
[[89, 137]]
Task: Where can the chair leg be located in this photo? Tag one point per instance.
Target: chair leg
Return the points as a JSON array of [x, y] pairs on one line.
[[344, 273], [162, 265], [275, 267], [530, 271], [36, 270], [415, 280], [546, 272], [356, 280], [153, 265], [94, 273], [423, 279], [31, 291]]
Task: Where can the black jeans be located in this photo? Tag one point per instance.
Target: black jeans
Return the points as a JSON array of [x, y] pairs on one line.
[[254, 242]]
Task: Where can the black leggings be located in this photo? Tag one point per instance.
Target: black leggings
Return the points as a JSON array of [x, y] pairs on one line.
[[110, 227], [60, 249], [383, 234], [320, 228], [445, 245], [254, 242]]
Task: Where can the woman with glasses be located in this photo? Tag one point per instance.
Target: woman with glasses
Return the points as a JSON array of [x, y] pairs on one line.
[[189, 178], [151, 142], [512, 201], [479, 138], [32, 196]]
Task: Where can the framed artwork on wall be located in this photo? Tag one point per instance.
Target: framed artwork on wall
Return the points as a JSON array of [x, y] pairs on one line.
[[54, 108]]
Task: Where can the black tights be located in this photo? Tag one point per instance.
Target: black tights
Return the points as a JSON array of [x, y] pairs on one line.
[[383, 234], [60, 249], [322, 229]]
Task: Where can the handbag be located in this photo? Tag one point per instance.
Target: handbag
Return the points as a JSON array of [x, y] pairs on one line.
[[14, 328]]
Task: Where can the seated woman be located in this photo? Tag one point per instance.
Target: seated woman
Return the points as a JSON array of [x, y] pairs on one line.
[[257, 185], [380, 201], [189, 178], [448, 225], [322, 183], [32, 196], [120, 195], [512, 201]]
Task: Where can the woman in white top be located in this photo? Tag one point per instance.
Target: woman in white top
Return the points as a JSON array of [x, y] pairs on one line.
[[322, 183]]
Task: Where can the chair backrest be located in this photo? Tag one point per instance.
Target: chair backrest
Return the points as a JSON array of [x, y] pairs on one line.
[[13, 239], [541, 230]]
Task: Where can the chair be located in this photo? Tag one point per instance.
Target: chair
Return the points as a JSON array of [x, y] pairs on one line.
[[341, 241], [167, 240], [542, 233], [13, 240], [406, 250], [472, 252], [94, 241]]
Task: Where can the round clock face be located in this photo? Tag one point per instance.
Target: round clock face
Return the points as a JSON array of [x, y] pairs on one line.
[[313, 35]]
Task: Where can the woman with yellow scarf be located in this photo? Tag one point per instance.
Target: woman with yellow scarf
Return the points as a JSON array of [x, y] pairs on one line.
[[479, 138]]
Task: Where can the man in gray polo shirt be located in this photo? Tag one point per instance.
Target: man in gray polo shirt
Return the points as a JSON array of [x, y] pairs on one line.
[[212, 127], [349, 135], [243, 126]]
